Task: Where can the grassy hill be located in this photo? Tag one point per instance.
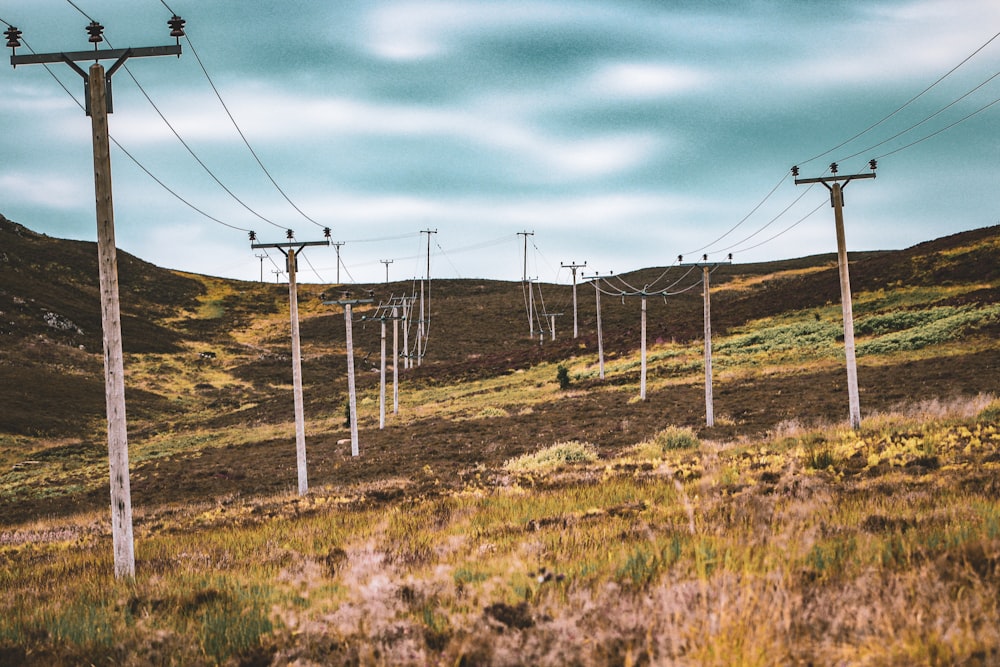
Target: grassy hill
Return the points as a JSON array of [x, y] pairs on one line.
[[430, 545]]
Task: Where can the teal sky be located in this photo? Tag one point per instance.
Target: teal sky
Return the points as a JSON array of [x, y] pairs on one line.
[[622, 133]]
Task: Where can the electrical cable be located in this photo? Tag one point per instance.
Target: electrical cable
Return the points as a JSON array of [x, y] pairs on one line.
[[905, 104], [243, 136], [786, 229], [916, 125], [128, 154], [74, 6]]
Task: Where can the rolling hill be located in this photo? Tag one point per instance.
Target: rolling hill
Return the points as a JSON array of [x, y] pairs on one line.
[[504, 517]]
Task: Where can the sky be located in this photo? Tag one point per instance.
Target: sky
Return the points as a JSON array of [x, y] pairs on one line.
[[618, 133]]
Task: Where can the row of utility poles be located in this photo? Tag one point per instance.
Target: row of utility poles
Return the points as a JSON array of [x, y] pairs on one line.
[[97, 91]]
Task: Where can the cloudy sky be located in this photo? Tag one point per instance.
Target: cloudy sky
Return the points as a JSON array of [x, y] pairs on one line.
[[621, 132]]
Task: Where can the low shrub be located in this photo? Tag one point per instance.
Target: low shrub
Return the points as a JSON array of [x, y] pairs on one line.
[[556, 456], [669, 439]]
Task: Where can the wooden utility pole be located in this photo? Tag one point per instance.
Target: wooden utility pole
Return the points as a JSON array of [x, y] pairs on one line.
[[336, 245], [600, 334], [261, 258], [709, 402], [642, 375], [383, 318], [836, 184], [424, 324], [527, 286], [352, 397], [573, 266], [291, 254], [387, 262], [395, 360], [97, 88], [552, 322]]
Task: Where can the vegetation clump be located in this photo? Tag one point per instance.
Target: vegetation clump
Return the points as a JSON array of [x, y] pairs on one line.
[[562, 375], [553, 457], [669, 439]]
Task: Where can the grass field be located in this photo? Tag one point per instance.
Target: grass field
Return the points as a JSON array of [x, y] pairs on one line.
[[518, 509]]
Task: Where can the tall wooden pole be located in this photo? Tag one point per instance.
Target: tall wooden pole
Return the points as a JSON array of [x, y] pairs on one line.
[[381, 383], [709, 408], [642, 378], [300, 418], [114, 365], [836, 184], [97, 83], [854, 402], [395, 360], [351, 393], [600, 334], [573, 266]]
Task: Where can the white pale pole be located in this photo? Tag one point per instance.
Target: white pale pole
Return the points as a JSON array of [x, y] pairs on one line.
[[351, 394], [381, 383], [854, 402], [395, 360], [642, 379], [300, 418], [709, 408]]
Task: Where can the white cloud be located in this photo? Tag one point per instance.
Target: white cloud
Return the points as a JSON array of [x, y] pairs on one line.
[[646, 80], [45, 189]]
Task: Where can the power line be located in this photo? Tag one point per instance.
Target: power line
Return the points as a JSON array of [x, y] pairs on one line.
[[243, 136], [904, 105], [74, 6], [127, 153], [933, 115]]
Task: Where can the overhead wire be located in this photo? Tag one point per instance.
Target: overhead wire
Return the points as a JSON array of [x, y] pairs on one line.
[[926, 119], [905, 104], [128, 154], [246, 142]]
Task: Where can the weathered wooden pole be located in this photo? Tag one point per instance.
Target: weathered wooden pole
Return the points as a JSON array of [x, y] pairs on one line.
[[642, 376], [836, 184], [854, 401], [300, 417], [395, 360], [114, 365], [600, 333], [709, 408], [381, 383], [352, 398], [573, 266], [97, 83]]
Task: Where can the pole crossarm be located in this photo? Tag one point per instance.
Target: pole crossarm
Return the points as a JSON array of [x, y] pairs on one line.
[[86, 56], [348, 302], [289, 244], [826, 180]]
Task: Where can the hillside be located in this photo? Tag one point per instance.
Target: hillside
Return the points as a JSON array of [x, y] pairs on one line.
[[234, 411], [499, 518]]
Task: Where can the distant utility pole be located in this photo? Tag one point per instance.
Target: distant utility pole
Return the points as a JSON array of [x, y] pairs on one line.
[[573, 266], [277, 275], [336, 245], [642, 375], [526, 286], [97, 88], [423, 324], [352, 397], [261, 258], [709, 403], [552, 320], [383, 318], [600, 334], [836, 184], [387, 262], [291, 254]]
